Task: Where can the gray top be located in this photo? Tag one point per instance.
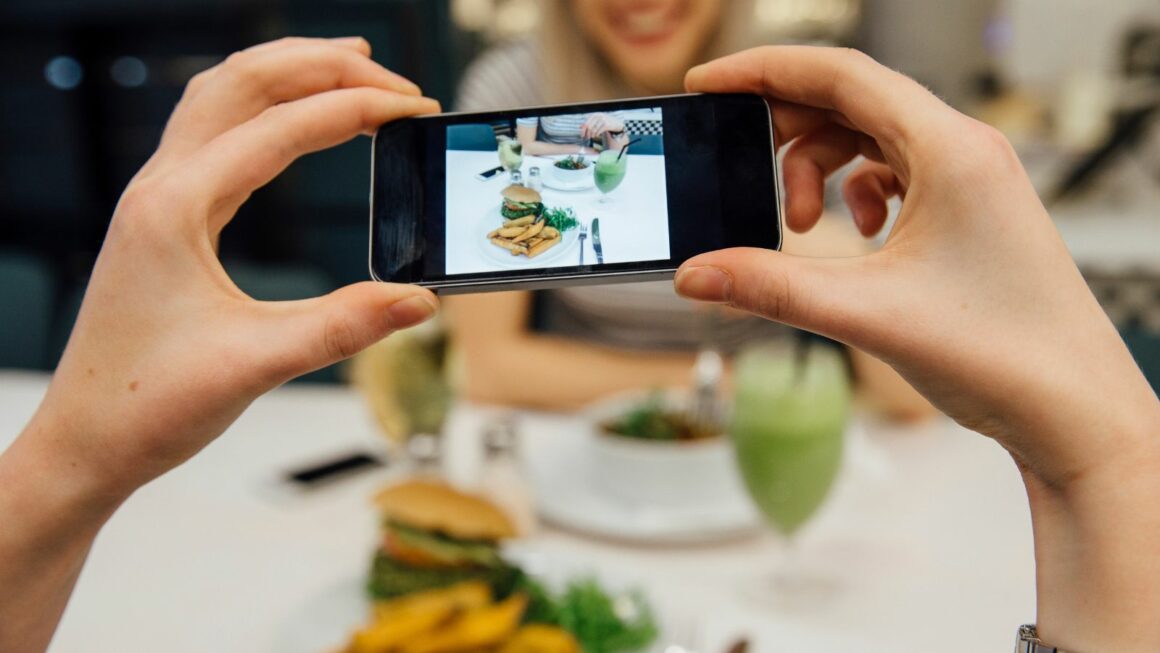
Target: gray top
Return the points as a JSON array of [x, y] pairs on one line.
[[646, 316]]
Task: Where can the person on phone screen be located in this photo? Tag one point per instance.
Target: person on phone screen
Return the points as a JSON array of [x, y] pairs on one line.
[[628, 336], [578, 133]]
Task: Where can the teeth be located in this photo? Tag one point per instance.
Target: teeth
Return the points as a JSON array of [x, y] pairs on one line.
[[647, 23]]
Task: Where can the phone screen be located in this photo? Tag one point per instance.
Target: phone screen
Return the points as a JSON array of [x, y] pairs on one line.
[[591, 193]]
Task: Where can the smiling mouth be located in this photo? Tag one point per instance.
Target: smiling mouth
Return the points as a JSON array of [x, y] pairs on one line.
[[647, 27]]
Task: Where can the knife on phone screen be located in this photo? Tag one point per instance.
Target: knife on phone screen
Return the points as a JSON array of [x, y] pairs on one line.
[[596, 241]]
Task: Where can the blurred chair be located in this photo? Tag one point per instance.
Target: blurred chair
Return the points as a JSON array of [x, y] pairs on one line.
[[478, 138], [649, 144], [27, 298]]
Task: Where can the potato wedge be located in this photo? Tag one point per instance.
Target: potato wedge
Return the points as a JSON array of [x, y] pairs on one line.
[[540, 638], [478, 629], [542, 247], [493, 233], [520, 222], [550, 232], [512, 232], [531, 232], [510, 246]]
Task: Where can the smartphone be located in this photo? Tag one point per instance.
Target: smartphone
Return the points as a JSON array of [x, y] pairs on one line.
[[595, 193]]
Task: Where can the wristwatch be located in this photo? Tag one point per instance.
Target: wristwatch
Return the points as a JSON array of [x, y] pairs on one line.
[[1028, 642]]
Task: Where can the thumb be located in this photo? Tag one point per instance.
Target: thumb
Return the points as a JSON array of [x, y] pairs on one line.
[[828, 296], [314, 333]]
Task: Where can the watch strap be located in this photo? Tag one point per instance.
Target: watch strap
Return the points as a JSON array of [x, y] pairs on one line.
[[1028, 642]]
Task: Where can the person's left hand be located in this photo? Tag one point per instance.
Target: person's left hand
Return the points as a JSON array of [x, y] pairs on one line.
[[597, 124], [167, 351]]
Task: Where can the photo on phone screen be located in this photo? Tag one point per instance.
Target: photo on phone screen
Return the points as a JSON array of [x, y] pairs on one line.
[[614, 195], [543, 197]]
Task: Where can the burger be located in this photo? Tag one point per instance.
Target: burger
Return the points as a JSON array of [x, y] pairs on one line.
[[520, 201], [435, 536]]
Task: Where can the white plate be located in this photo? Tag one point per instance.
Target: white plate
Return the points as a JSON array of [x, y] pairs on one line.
[[322, 623], [503, 259], [567, 485], [585, 183]]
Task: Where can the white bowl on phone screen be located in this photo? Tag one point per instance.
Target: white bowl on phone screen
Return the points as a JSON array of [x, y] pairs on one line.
[[571, 177]]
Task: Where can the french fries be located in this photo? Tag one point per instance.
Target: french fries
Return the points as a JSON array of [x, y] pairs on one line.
[[459, 619], [542, 246], [526, 236]]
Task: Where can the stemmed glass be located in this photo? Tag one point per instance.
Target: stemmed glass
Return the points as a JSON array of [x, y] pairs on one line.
[[609, 171], [406, 380], [790, 407], [511, 154]]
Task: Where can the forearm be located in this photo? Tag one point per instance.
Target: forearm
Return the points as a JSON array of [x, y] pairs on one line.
[[556, 374], [50, 514], [1097, 551]]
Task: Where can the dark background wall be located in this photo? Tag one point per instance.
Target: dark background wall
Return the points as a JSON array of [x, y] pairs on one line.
[[85, 89]]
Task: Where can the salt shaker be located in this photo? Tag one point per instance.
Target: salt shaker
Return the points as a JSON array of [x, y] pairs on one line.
[[503, 478]]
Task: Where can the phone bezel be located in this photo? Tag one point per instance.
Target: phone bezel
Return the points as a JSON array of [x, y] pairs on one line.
[[548, 278]]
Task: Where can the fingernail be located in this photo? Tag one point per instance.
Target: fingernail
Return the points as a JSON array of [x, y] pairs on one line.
[[349, 40], [410, 311], [705, 283]]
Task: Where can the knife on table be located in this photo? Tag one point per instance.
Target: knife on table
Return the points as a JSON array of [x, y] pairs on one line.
[[596, 241]]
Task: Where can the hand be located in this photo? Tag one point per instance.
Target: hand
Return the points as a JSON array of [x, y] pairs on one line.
[[167, 351], [976, 302], [597, 124]]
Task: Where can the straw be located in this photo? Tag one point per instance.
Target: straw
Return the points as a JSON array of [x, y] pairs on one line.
[[625, 148]]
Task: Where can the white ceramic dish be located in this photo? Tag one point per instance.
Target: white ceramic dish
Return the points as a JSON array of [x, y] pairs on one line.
[[595, 487], [503, 259], [322, 623], [570, 177], [659, 473]]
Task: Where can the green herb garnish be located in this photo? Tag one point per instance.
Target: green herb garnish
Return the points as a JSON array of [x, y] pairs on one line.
[[561, 219], [600, 622], [576, 162]]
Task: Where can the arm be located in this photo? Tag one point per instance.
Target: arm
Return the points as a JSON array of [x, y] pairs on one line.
[[526, 135], [976, 302], [508, 364], [166, 351]]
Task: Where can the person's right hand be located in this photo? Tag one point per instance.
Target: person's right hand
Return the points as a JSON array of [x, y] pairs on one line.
[[976, 301]]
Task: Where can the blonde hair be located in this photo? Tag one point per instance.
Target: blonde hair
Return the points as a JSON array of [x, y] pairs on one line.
[[574, 71]]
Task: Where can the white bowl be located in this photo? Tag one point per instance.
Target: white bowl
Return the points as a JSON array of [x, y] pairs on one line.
[[572, 177], [660, 474]]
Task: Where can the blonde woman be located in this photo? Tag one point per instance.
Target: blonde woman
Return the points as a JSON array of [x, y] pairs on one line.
[[580, 344]]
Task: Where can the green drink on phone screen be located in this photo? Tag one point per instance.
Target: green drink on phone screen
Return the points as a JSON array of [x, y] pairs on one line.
[[788, 419], [610, 170]]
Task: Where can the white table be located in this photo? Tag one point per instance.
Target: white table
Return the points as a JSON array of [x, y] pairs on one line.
[[634, 226], [935, 553]]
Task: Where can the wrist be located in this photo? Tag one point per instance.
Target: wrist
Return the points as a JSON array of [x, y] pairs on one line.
[[1097, 555], [50, 487]]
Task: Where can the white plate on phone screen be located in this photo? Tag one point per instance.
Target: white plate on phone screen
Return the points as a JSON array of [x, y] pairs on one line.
[[503, 258]]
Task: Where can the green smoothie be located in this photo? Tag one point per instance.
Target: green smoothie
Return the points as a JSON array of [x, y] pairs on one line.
[[787, 429], [610, 170]]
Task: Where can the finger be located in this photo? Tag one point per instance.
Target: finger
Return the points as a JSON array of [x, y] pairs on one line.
[[233, 165], [251, 81], [866, 191], [834, 297], [313, 333], [356, 43], [810, 160], [893, 109]]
